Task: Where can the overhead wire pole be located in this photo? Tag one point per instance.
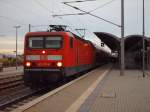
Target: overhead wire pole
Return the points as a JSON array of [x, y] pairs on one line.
[[143, 40], [29, 27], [122, 39], [16, 27]]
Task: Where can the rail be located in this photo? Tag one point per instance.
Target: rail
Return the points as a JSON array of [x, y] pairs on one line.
[[9, 82]]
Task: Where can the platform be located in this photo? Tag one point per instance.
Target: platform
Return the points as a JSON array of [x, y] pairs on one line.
[[97, 91], [128, 93]]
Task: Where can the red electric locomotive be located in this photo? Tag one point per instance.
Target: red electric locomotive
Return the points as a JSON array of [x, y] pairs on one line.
[[51, 56]]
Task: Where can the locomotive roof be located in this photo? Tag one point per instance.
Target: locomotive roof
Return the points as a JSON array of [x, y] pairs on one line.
[[44, 33], [71, 34]]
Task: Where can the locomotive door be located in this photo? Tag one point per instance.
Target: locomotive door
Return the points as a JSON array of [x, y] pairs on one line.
[[77, 53]]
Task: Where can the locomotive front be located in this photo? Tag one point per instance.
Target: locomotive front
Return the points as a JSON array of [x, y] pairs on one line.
[[43, 57]]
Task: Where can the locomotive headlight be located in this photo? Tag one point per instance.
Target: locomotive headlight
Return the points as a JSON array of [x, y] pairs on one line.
[[59, 64], [28, 64]]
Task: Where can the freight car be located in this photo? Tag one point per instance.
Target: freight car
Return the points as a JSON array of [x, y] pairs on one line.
[[52, 56]]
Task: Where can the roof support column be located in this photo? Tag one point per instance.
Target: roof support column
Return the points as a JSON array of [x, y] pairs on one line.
[[143, 40]]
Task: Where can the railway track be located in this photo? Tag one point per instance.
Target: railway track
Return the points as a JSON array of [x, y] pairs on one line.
[[18, 98], [13, 90], [14, 100], [11, 101], [10, 82]]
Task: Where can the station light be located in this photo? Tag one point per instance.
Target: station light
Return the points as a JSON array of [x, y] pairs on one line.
[[28, 64], [59, 64]]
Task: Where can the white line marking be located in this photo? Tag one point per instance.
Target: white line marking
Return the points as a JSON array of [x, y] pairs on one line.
[[77, 104]]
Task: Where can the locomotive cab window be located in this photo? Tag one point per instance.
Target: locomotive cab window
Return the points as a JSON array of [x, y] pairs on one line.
[[53, 42], [36, 42]]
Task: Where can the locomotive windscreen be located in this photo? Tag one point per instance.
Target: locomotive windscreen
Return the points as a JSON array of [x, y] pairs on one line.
[[53, 42], [36, 42]]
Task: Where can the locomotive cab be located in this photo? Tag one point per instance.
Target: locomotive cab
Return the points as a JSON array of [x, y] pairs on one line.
[[43, 61]]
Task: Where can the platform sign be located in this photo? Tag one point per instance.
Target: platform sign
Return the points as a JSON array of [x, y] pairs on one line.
[[102, 44]]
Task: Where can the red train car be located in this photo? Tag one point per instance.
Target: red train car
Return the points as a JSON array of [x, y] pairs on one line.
[[51, 56]]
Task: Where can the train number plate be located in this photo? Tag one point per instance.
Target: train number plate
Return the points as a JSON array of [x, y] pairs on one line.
[[43, 64]]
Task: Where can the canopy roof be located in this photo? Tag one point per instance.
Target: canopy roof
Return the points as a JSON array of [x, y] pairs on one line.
[[132, 42], [112, 41], [135, 42]]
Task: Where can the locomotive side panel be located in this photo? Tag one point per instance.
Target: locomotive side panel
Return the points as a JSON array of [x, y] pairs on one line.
[[85, 55], [70, 56], [78, 56]]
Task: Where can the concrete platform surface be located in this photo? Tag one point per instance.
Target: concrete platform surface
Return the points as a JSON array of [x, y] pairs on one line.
[[128, 93]]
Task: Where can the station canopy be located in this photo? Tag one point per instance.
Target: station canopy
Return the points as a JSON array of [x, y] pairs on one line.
[[132, 42], [135, 42], [112, 41]]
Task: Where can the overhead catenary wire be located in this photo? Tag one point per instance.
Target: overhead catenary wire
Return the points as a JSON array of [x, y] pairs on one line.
[[80, 1], [70, 26], [88, 12], [82, 25], [92, 14], [101, 6], [79, 22], [69, 14]]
